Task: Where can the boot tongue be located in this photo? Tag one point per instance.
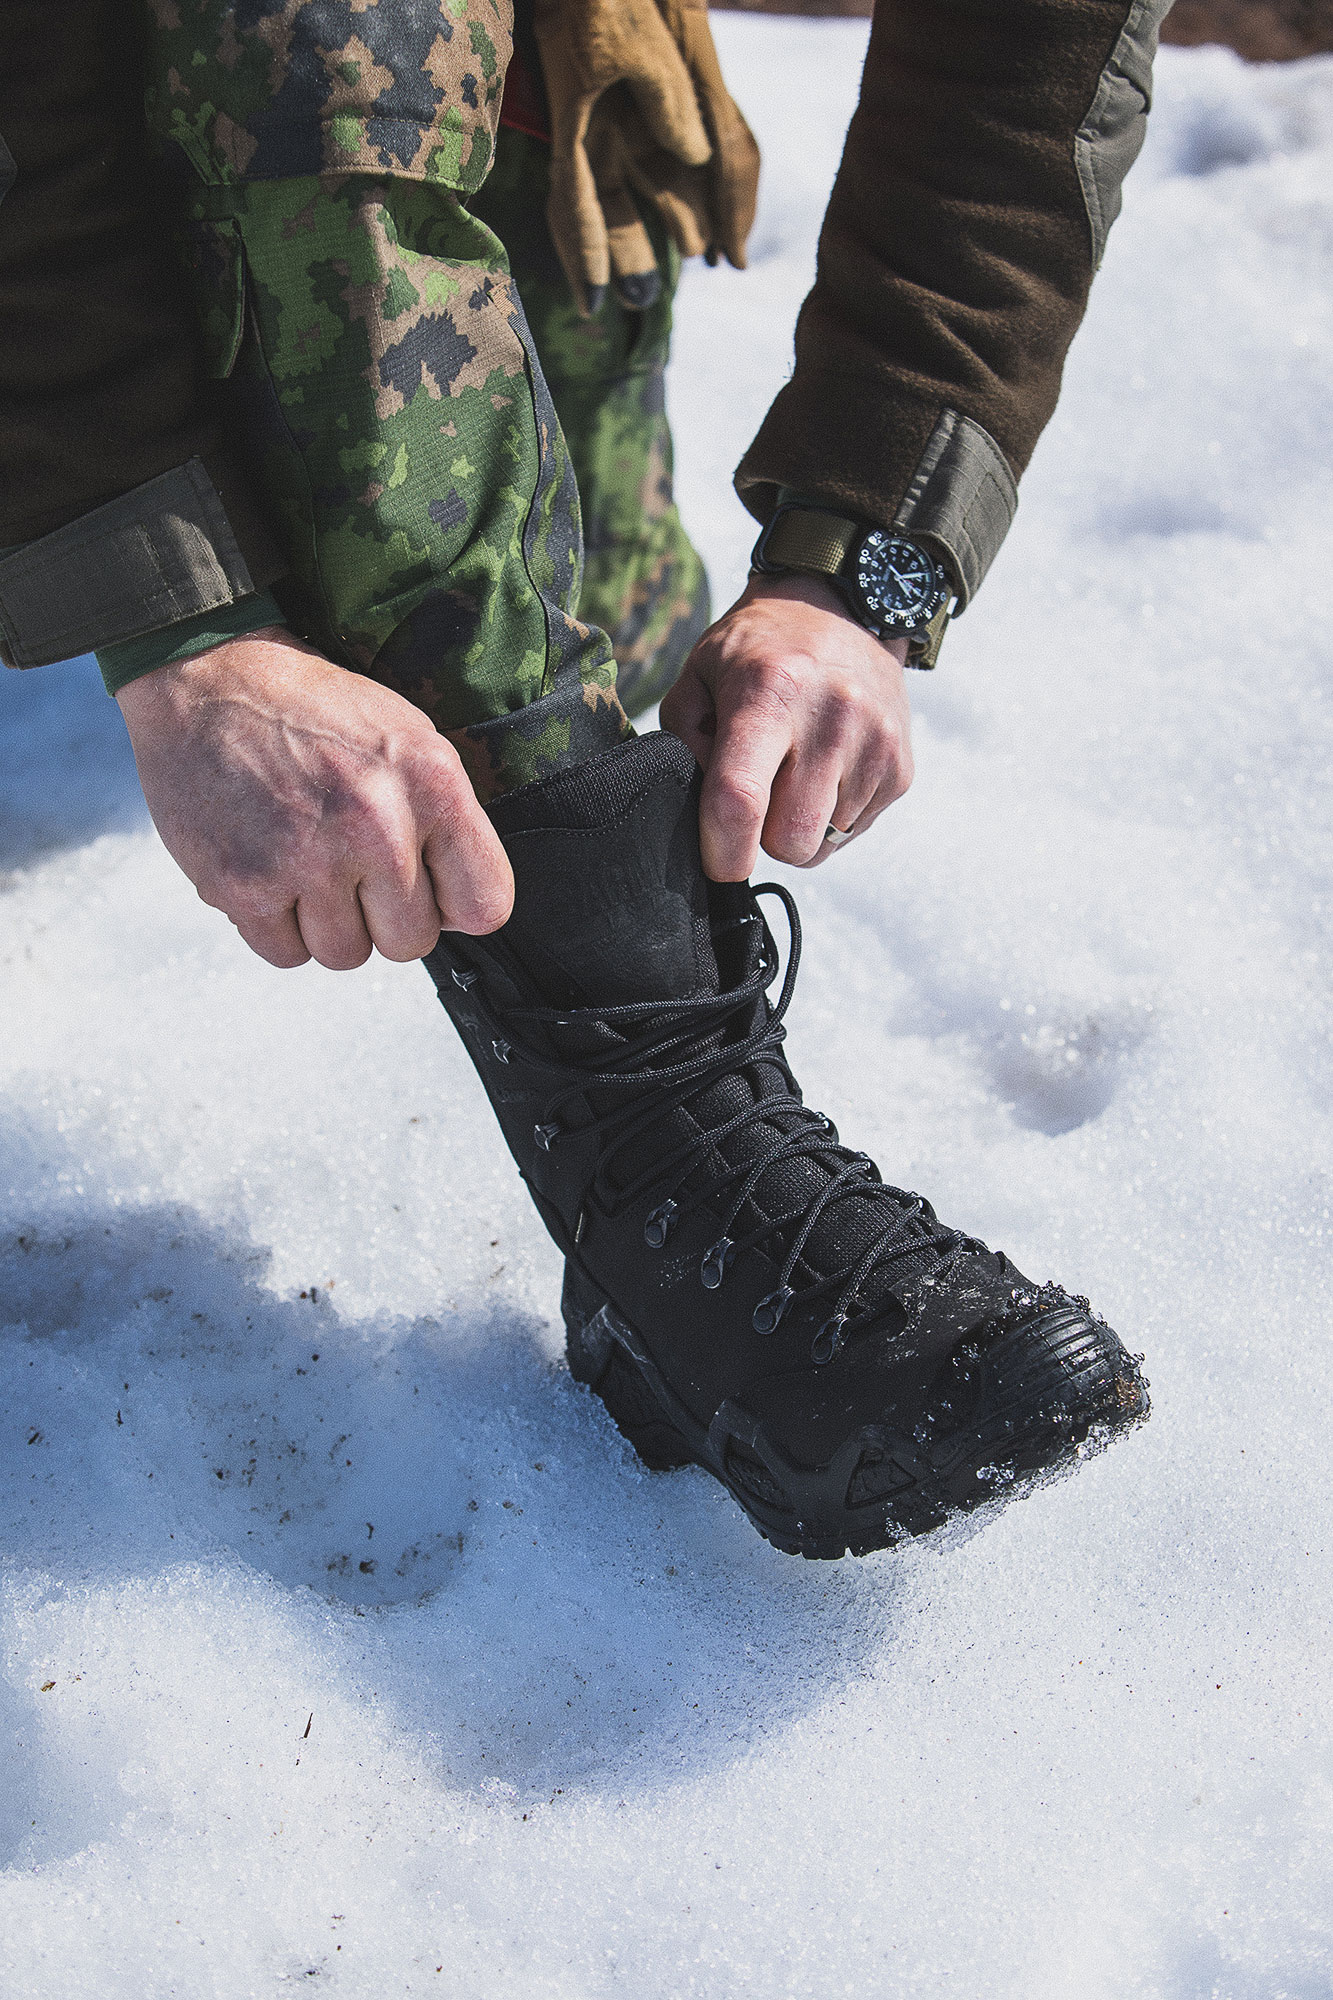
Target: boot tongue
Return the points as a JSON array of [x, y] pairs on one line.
[[610, 902], [611, 906]]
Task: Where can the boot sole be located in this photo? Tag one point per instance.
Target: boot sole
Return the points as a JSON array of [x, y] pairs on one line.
[[1041, 1396]]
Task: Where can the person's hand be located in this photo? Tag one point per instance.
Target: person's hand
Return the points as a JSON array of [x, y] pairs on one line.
[[800, 719], [321, 812]]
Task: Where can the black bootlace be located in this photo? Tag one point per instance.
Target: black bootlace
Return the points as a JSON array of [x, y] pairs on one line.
[[671, 1052]]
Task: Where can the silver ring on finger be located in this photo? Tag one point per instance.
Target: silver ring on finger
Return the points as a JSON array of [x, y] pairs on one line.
[[835, 836]]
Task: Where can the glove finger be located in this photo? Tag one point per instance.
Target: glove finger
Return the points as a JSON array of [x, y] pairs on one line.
[[659, 78], [573, 213], [589, 48], [635, 278], [687, 25], [669, 106], [578, 227], [733, 175], [680, 196], [734, 168], [634, 274]]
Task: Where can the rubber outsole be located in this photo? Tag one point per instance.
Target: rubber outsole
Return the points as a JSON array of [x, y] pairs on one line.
[[1043, 1392]]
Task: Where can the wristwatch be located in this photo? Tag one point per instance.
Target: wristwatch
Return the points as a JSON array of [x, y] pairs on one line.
[[893, 584]]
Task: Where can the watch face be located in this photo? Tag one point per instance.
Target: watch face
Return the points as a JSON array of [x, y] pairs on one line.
[[899, 585]]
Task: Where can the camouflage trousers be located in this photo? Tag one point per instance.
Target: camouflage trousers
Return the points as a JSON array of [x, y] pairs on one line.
[[643, 582], [397, 408]]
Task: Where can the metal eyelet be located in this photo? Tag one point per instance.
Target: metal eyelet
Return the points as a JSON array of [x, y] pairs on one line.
[[501, 1051], [828, 1340], [715, 1264], [768, 1313], [463, 979], [546, 1135], [658, 1226]]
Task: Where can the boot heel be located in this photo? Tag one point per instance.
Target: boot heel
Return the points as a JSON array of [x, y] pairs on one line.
[[597, 1358]]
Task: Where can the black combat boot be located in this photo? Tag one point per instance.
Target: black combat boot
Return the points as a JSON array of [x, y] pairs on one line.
[[742, 1290]]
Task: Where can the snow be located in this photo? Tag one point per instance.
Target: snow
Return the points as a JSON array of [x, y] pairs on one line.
[[274, 1308]]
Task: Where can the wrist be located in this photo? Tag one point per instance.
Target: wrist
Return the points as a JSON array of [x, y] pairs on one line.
[[129, 660], [893, 585], [819, 596], [211, 669]]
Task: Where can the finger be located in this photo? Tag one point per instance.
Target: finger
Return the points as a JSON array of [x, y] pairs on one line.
[[752, 745], [469, 870], [684, 209], [804, 803], [399, 910], [687, 711], [572, 209], [884, 772], [862, 822], [275, 938], [333, 927], [871, 782]]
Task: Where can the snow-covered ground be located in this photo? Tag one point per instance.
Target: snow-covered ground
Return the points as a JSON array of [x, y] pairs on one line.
[[346, 1644]]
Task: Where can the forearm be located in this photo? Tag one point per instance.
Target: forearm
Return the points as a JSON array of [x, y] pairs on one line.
[[981, 172]]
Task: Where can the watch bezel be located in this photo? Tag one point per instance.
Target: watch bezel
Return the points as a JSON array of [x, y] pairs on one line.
[[912, 625]]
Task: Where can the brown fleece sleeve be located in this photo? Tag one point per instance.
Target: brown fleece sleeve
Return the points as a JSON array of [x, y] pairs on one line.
[[981, 170], [100, 388]]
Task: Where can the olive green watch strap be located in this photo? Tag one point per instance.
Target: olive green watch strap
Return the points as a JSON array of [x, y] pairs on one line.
[[805, 538]]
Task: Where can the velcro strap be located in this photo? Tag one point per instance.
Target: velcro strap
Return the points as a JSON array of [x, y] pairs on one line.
[[962, 498], [163, 552]]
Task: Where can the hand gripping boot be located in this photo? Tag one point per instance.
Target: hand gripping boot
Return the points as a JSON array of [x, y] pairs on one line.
[[741, 1289]]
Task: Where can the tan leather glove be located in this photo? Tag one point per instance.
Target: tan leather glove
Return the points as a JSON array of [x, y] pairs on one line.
[[639, 107]]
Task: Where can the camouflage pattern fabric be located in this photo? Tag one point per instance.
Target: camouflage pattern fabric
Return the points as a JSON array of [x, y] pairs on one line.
[[643, 582], [383, 384], [277, 89], [380, 376]]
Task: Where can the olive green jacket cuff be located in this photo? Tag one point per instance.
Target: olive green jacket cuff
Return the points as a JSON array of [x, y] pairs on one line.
[[129, 577]]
